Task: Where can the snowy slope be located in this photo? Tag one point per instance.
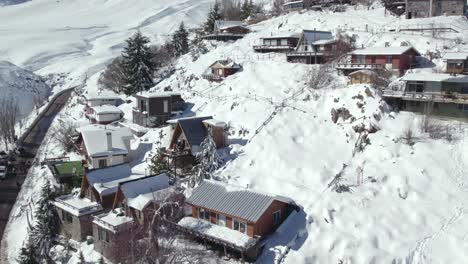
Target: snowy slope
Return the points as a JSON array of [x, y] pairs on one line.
[[410, 207], [22, 86]]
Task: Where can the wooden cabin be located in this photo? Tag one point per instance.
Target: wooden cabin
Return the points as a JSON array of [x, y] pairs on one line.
[[225, 30], [188, 136], [314, 47], [456, 62], [154, 109], [279, 43], [395, 59], [244, 216], [431, 8], [363, 76], [221, 69]]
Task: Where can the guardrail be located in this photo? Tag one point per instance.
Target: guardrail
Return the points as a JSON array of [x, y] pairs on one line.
[[351, 66], [21, 139]]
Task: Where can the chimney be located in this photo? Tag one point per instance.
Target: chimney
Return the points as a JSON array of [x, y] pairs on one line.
[[109, 141]]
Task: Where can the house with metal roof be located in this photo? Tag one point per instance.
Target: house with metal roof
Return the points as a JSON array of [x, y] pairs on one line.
[[234, 216], [456, 62], [313, 47], [281, 42], [226, 30], [221, 69]]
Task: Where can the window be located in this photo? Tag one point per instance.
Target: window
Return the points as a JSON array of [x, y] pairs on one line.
[[166, 106], [102, 163], [361, 59], [143, 105], [67, 217], [239, 226], [277, 217], [103, 235], [373, 59], [388, 59], [220, 220], [203, 214]]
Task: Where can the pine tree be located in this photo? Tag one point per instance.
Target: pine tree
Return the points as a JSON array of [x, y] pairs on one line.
[[157, 164], [26, 255], [137, 64], [180, 40], [46, 222], [208, 161], [246, 10], [212, 17]]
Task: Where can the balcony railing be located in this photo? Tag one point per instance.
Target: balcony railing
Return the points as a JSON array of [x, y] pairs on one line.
[[439, 97], [212, 77], [173, 152], [359, 66], [273, 47]]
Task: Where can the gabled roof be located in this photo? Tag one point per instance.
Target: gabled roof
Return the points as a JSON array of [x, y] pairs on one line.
[[106, 109], [105, 181], [456, 55], [384, 50], [227, 64], [95, 139], [225, 24], [194, 130], [232, 200], [140, 192]]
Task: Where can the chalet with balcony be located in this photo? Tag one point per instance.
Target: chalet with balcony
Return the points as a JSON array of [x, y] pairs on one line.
[[314, 47], [227, 30], [234, 218], [154, 109], [104, 146], [221, 69], [431, 8], [456, 62], [187, 137], [395, 59], [281, 43], [135, 203], [104, 114], [438, 94]]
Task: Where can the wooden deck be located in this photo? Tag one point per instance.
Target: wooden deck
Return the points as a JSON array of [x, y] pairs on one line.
[[439, 97]]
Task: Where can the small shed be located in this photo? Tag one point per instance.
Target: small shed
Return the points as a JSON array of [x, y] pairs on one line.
[[363, 76]]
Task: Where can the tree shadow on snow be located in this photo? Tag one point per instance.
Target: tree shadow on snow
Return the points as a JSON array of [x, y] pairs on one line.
[[290, 236], [138, 154], [229, 154]]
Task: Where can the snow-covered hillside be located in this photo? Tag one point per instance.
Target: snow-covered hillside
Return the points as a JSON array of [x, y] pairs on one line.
[[23, 86], [410, 202], [12, 2]]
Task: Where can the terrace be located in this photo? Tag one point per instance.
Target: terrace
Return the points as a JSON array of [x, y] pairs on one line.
[[114, 221], [437, 97], [77, 206]]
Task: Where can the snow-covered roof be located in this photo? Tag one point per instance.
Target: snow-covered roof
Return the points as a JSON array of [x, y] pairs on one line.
[[217, 231], [215, 122], [232, 200], [225, 24], [106, 109], [106, 180], [228, 63], [368, 72], [383, 50], [112, 220], [284, 35], [95, 140], [194, 130], [436, 77], [324, 41], [293, 2], [102, 96], [139, 193], [77, 206], [148, 94], [455, 55]]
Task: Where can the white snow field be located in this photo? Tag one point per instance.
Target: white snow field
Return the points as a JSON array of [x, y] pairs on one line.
[[411, 203]]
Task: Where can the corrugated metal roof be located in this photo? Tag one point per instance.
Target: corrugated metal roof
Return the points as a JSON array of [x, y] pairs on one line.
[[238, 202], [383, 50], [194, 130]]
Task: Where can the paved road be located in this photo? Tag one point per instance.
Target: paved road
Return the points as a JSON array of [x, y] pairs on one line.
[[9, 187]]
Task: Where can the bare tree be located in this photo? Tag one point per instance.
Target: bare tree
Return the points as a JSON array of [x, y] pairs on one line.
[[342, 47], [64, 135], [321, 77], [381, 79], [113, 77], [408, 135], [8, 116], [277, 8], [230, 9]]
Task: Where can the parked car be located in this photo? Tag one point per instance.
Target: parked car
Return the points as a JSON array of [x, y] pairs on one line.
[[3, 172]]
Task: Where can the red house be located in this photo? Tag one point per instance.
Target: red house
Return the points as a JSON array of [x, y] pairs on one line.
[[395, 59], [221, 69]]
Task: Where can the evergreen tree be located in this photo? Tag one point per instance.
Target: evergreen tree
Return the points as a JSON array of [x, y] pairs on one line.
[[137, 64], [46, 222], [212, 17], [158, 165], [26, 255], [180, 40], [246, 10], [208, 161]]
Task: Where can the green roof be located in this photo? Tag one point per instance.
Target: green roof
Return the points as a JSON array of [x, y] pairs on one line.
[[67, 168]]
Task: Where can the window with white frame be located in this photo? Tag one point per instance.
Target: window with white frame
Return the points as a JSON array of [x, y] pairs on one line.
[[220, 220], [277, 217], [239, 226], [203, 214]]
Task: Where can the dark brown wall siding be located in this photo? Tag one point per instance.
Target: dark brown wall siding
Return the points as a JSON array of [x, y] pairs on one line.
[[265, 224]]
